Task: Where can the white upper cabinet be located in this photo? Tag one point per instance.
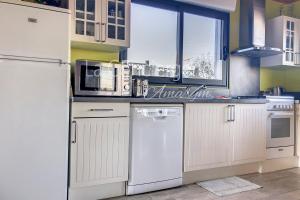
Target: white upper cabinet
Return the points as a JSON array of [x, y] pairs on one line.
[[283, 32], [115, 19], [86, 18], [96, 22]]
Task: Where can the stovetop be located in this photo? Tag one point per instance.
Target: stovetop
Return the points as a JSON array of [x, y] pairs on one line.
[[275, 103], [280, 103]]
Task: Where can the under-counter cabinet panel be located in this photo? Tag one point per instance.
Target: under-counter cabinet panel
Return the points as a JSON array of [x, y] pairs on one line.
[[99, 151], [218, 135], [249, 133], [207, 137], [96, 22], [99, 142]]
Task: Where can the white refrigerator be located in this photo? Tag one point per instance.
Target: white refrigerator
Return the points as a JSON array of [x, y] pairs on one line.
[[34, 101]]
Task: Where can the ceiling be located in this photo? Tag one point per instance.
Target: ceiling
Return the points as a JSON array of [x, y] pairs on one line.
[[286, 1]]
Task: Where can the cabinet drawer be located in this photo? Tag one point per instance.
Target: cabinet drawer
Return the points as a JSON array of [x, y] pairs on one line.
[[88, 109], [280, 152]]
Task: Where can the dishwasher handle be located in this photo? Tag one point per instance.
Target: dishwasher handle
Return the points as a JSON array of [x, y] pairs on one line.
[[158, 113]]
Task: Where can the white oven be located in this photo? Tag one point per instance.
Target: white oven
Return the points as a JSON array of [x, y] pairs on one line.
[[280, 131], [280, 127]]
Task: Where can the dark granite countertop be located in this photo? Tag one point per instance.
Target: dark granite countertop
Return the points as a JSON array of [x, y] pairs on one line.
[[168, 100], [296, 95]]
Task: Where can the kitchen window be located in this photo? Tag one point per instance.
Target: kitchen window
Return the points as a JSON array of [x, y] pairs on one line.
[[176, 43]]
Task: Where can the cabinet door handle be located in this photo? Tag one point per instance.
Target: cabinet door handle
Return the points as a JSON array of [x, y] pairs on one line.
[[101, 110], [103, 33], [229, 113], [74, 132], [233, 113], [97, 32]]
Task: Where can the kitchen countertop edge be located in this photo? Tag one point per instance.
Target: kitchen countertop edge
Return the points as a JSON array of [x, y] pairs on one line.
[[166, 100]]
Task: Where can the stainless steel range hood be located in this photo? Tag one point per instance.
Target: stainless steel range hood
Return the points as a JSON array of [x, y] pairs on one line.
[[253, 30]]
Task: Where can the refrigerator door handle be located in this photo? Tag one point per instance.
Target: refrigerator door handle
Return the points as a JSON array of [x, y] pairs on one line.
[[33, 59], [74, 133]]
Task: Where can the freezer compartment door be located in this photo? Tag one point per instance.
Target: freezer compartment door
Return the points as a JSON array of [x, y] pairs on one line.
[[34, 108], [34, 32], [156, 144]]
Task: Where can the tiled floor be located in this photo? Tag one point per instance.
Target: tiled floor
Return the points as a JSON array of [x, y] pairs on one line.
[[282, 185]]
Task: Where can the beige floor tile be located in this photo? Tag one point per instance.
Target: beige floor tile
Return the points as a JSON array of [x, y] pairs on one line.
[[281, 185]]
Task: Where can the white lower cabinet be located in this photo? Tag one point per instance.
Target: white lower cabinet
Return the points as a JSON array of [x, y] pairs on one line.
[[99, 150], [207, 137], [218, 135], [249, 130]]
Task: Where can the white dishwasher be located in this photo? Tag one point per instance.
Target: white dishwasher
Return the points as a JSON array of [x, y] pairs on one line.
[[156, 148]]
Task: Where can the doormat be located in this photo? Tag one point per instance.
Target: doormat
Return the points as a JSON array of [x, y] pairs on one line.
[[228, 186]]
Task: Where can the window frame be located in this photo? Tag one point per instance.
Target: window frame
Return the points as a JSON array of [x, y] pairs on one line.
[[182, 8]]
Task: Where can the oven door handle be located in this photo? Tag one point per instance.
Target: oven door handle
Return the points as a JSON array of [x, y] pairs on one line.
[[281, 115]]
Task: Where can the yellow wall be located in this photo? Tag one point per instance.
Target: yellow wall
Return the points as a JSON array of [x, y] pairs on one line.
[[289, 78], [77, 54]]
